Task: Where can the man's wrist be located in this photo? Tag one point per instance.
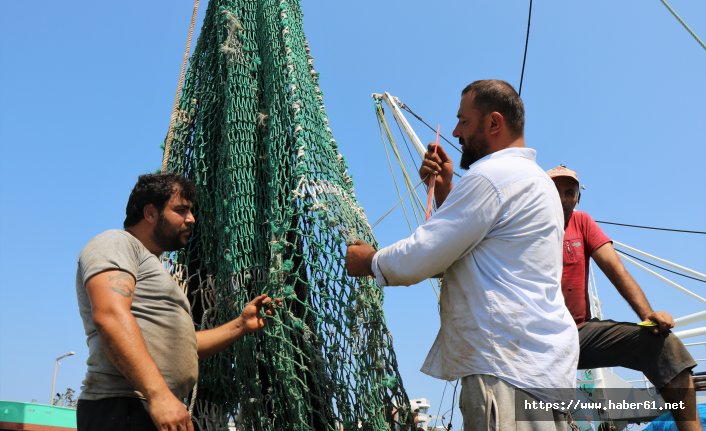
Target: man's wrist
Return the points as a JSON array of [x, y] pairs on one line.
[[238, 327], [646, 314], [369, 262], [154, 393], [377, 272]]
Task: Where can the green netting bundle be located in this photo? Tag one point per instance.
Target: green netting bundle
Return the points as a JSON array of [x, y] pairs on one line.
[[275, 211]]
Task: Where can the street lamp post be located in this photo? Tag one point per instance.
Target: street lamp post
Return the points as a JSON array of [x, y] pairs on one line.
[[53, 380]]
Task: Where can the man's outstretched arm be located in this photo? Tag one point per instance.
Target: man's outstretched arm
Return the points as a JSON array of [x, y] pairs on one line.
[[111, 294], [609, 262], [212, 341]]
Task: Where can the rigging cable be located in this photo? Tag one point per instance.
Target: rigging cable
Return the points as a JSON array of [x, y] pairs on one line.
[[665, 279], [691, 32], [383, 125], [524, 58], [653, 228], [411, 188], [658, 266], [438, 412], [406, 144], [421, 120], [394, 207], [453, 405], [408, 109]]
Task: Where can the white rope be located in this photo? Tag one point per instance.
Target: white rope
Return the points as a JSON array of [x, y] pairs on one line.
[[691, 272], [194, 393], [175, 108]]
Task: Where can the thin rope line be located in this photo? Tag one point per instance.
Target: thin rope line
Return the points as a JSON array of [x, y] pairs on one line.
[[408, 109], [394, 207], [405, 175], [382, 124], [656, 259], [658, 266], [524, 57], [438, 413], [665, 279], [411, 189], [170, 134], [407, 146], [691, 32], [453, 404], [653, 228]]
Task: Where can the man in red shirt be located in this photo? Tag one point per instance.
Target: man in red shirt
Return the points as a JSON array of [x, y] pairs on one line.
[[655, 351]]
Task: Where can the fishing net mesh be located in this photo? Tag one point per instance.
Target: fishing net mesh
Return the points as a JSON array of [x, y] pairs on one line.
[[276, 209]]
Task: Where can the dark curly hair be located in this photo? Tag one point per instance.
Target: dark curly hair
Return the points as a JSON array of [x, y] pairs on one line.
[[156, 189]]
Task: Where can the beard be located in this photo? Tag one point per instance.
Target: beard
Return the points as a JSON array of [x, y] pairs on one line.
[[167, 237], [475, 149]]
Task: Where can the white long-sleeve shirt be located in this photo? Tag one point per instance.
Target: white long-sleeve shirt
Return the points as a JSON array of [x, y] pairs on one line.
[[497, 239]]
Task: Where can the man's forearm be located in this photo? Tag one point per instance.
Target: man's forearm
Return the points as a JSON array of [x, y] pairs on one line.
[[633, 294], [609, 262], [212, 341]]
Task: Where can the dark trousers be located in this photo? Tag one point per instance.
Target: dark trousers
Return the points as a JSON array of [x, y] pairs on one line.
[[606, 343], [113, 414]]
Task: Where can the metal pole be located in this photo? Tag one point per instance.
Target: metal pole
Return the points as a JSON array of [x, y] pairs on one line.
[[53, 383], [666, 280], [691, 332], [691, 272], [53, 380], [691, 318], [392, 102]]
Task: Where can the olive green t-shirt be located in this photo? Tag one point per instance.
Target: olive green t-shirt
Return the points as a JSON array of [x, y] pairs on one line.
[[161, 310]]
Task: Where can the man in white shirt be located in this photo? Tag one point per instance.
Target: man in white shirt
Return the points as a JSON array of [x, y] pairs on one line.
[[497, 238]]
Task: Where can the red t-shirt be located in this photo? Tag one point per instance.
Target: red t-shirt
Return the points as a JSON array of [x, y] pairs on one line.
[[581, 239]]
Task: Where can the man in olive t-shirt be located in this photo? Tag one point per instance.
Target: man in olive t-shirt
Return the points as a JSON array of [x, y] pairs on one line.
[[143, 349]]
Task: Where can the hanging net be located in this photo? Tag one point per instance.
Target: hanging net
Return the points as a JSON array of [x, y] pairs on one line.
[[276, 209]]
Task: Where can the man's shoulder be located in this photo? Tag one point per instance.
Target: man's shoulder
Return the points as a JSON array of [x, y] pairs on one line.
[[509, 169], [110, 239], [112, 249], [111, 235]]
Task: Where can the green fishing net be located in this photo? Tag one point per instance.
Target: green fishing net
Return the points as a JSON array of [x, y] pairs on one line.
[[275, 211]]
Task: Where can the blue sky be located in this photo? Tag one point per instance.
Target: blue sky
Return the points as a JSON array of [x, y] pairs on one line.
[[615, 90]]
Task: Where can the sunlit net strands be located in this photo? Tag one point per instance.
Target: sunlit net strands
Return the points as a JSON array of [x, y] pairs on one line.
[[276, 209]]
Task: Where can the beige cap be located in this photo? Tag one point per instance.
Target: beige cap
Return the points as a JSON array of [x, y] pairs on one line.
[[563, 171]]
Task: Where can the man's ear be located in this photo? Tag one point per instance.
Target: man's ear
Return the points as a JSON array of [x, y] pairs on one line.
[[495, 122], [579, 199], [150, 213]]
